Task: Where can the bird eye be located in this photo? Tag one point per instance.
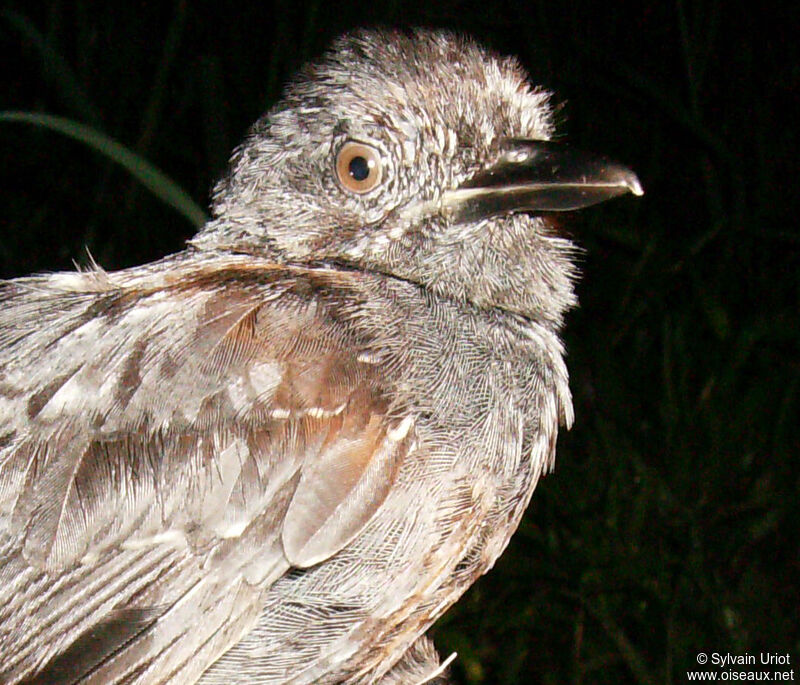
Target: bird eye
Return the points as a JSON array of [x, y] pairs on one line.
[[358, 167]]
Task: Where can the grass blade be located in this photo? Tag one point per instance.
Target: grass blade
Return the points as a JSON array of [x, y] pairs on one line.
[[143, 171]]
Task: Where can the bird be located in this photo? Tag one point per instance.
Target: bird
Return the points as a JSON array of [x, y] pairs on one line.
[[279, 455]]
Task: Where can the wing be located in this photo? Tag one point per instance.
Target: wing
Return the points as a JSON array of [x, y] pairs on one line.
[[172, 440]]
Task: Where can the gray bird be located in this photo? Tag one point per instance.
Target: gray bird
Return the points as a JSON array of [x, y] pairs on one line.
[[280, 455]]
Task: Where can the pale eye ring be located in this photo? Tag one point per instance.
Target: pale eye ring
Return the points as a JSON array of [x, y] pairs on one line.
[[358, 167]]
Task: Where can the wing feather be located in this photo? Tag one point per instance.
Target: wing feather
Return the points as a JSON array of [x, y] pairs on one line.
[[340, 490], [171, 441]]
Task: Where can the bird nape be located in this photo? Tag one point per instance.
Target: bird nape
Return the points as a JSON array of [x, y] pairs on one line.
[[281, 454]]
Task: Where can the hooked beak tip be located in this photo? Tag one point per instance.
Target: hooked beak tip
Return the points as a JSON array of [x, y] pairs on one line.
[[633, 184]]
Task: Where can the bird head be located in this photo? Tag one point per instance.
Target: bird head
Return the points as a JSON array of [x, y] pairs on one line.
[[420, 155]]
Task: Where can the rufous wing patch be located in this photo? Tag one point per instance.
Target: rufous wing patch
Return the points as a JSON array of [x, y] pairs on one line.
[[342, 488]]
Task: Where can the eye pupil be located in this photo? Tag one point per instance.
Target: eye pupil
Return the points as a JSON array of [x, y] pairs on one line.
[[358, 168]]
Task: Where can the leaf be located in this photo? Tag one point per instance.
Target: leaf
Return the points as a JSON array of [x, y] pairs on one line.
[[143, 171]]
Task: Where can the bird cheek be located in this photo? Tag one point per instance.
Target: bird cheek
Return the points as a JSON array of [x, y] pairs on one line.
[[409, 153], [375, 215]]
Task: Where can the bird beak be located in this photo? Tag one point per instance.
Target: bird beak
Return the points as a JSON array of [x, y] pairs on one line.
[[538, 176]]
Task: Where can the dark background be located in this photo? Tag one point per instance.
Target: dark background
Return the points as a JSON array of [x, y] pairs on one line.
[[671, 524]]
